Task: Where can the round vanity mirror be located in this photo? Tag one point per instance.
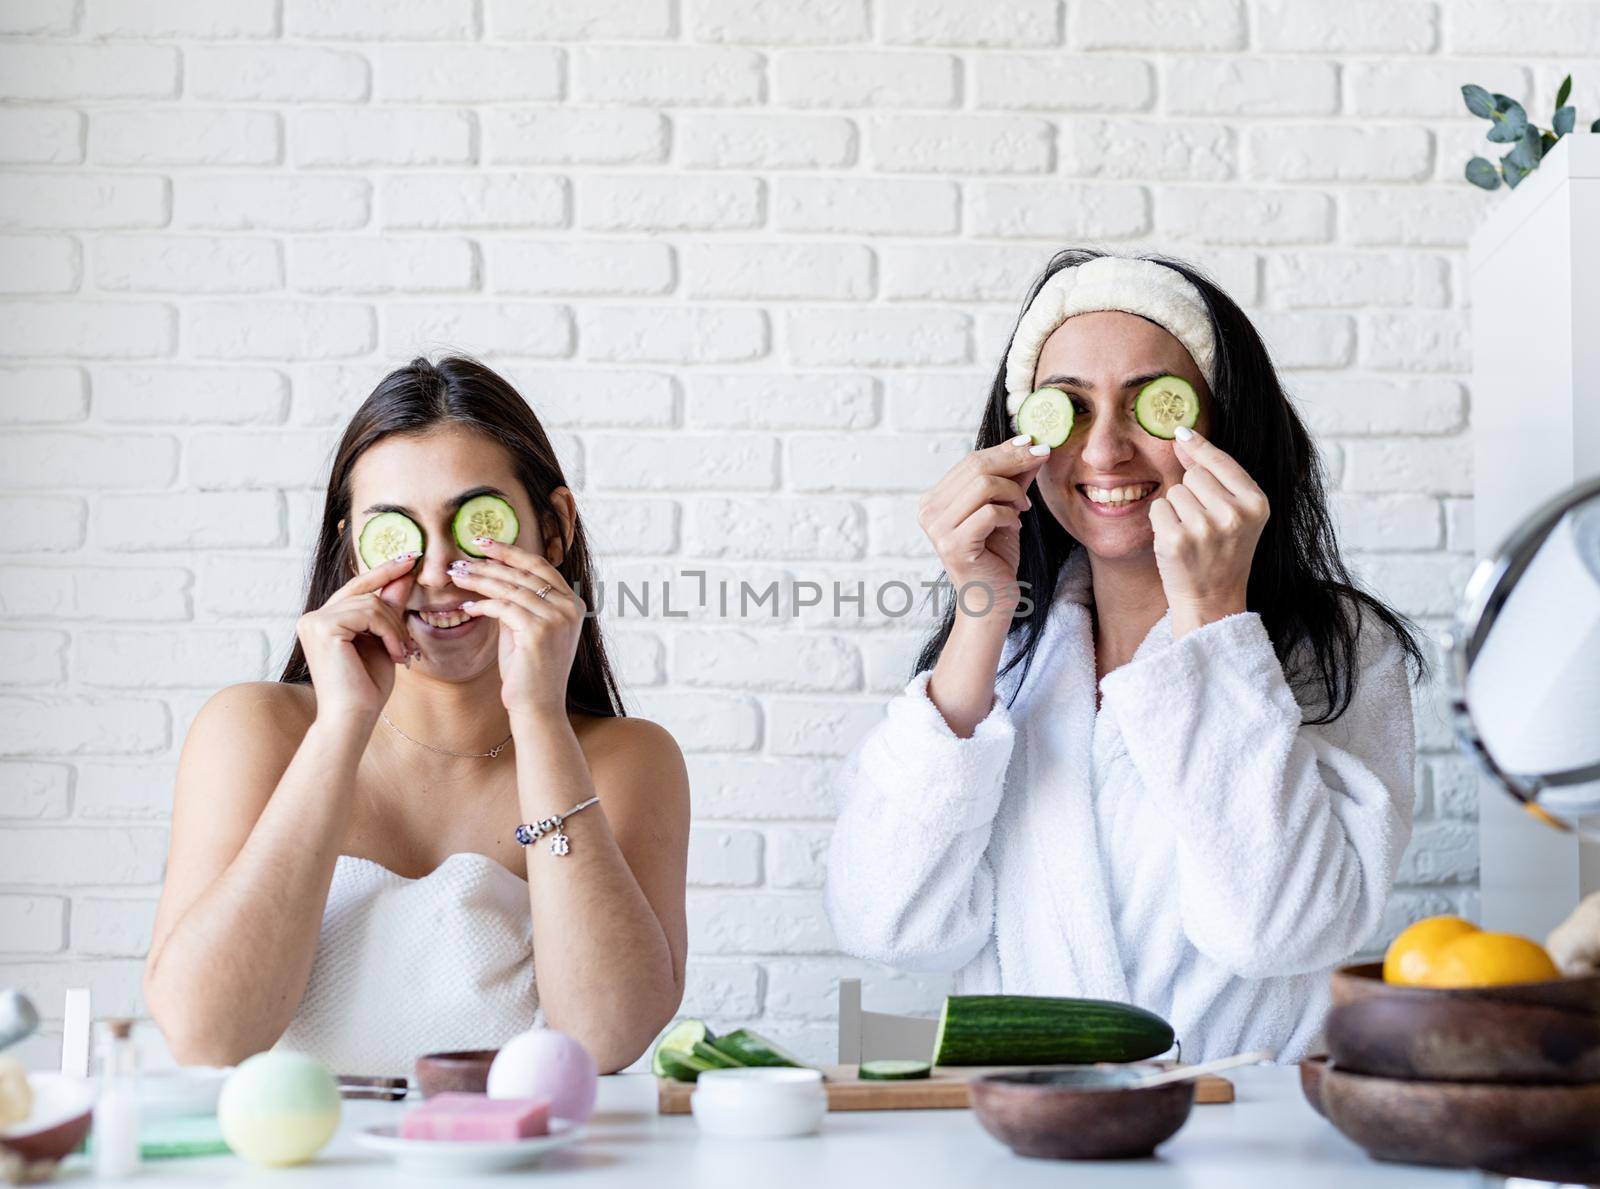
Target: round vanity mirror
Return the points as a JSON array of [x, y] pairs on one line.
[[1524, 660]]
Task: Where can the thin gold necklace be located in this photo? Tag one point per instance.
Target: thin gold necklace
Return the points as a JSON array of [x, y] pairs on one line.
[[464, 755]]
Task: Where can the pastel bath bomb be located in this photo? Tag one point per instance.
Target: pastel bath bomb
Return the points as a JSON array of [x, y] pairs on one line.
[[546, 1064], [278, 1108]]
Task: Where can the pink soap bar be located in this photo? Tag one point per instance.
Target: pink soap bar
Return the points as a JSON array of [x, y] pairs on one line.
[[477, 1116]]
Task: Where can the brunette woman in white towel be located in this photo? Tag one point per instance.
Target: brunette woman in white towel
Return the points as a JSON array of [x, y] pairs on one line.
[[438, 829], [1170, 763]]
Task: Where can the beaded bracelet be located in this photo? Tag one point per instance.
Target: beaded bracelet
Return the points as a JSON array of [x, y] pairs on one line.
[[530, 832]]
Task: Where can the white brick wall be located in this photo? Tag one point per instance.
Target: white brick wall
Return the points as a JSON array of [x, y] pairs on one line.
[[754, 262]]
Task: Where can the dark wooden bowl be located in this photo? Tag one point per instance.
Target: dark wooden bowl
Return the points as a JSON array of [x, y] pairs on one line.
[[465, 1072], [1079, 1114], [1545, 1132], [1311, 1071], [1579, 992], [1541, 1033]]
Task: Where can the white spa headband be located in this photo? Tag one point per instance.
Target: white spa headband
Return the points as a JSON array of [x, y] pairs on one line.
[[1154, 291]]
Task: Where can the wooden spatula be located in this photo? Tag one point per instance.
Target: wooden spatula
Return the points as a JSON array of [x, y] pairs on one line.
[[1186, 1073]]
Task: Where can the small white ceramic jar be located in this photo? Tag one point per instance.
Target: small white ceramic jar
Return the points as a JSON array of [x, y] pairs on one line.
[[767, 1103]]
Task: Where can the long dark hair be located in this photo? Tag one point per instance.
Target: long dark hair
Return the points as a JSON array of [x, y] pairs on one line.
[[457, 391], [1307, 599]]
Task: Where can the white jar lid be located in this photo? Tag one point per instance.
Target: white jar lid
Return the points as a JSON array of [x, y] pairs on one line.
[[760, 1082]]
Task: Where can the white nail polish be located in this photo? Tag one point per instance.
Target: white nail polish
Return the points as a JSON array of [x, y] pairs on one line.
[[1038, 451], [1022, 439], [1183, 433]]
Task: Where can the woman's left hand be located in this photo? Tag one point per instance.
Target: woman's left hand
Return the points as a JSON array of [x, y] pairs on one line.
[[1206, 529], [538, 635]]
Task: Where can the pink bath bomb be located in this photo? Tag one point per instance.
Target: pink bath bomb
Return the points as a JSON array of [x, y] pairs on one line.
[[546, 1064]]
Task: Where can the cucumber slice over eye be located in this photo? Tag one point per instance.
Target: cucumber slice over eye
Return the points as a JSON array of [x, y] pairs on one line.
[[484, 516], [1046, 416], [386, 536], [1163, 405]]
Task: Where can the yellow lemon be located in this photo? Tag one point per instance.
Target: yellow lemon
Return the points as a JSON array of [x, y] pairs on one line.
[[1489, 959], [1412, 955]]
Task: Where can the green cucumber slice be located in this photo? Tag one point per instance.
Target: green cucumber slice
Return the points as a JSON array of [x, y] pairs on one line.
[[751, 1048], [483, 516], [894, 1071], [679, 1040], [1046, 416], [714, 1056], [386, 536], [1163, 405], [681, 1067]]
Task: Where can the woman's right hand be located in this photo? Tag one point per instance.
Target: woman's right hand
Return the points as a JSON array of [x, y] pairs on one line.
[[353, 642], [973, 516]]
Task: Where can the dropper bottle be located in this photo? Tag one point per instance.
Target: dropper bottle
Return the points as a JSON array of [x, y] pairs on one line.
[[116, 1111]]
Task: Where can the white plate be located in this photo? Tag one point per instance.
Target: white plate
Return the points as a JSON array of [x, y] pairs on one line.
[[466, 1155]]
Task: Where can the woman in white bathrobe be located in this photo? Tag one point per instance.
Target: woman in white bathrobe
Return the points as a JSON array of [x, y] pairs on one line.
[[1171, 765]]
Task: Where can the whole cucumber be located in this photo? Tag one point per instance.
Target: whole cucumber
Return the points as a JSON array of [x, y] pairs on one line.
[[1040, 1030]]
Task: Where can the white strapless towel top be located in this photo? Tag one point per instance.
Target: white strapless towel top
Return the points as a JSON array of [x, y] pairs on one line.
[[412, 966]]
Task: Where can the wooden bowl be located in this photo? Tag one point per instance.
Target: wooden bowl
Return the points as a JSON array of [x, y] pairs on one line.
[[63, 1111], [1542, 1033], [1544, 1132], [1079, 1114], [1311, 1071], [465, 1072]]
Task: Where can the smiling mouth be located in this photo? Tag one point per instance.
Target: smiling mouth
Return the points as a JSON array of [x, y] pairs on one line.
[[1117, 497], [452, 617]]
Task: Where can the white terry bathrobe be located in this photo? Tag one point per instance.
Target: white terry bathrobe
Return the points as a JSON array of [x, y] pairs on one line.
[[1191, 848]]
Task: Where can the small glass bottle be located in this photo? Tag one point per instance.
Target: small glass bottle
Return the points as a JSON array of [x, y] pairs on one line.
[[116, 1111]]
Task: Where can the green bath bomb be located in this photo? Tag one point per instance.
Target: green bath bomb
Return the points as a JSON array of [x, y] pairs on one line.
[[278, 1108]]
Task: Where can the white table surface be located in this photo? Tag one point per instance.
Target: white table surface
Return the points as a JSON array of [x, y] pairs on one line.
[[1269, 1137]]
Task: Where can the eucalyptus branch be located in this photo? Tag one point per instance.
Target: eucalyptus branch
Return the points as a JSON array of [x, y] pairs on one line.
[[1509, 124]]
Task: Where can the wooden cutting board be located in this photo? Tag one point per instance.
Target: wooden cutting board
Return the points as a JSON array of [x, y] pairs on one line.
[[946, 1089]]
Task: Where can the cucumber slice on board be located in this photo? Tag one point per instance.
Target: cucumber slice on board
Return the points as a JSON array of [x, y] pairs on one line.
[[893, 1071], [681, 1067], [751, 1048], [679, 1041], [1046, 416], [715, 1057], [1163, 405], [483, 516], [386, 536]]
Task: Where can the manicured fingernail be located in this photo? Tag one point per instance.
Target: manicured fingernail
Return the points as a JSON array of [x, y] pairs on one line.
[[469, 604], [405, 556], [1038, 451], [1022, 439], [483, 540], [457, 567], [1183, 433]]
